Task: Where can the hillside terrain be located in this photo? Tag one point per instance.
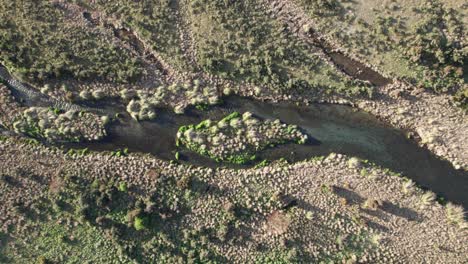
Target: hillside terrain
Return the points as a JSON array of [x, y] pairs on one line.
[[255, 131]]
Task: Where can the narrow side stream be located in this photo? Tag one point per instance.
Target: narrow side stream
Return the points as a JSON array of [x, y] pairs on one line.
[[357, 70], [333, 128]]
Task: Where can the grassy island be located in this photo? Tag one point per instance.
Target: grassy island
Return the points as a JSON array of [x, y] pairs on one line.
[[237, 137]]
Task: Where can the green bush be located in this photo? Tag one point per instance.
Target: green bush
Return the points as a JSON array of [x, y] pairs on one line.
[[123, 187], [140, 223]]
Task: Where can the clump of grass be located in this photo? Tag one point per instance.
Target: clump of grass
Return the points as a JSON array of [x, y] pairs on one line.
[[120, 152], [325, 188], [98, 94], [127, 94], [364, 172], [141, 110], [85, 95], [408, 186], [427, 198], [455, 214], [354, 163]]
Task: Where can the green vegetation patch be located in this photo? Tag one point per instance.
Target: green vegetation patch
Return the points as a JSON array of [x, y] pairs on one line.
[[38, 42], [419, 41], [59, 243], [54, 124], [83, 221], [238, 40], [142, 104], [153, 22], [237, 137]]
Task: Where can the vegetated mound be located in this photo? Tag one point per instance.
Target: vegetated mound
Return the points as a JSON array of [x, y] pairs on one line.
[[49, 123], [141, 104], [56, 125], [237, 137]]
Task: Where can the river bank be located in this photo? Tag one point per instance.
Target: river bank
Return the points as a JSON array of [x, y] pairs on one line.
[[432, 118]]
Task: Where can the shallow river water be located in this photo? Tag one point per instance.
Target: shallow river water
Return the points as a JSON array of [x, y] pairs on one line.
[[332, 128]]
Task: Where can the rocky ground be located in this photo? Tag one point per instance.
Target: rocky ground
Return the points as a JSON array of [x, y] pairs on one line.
[[9, 108]]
